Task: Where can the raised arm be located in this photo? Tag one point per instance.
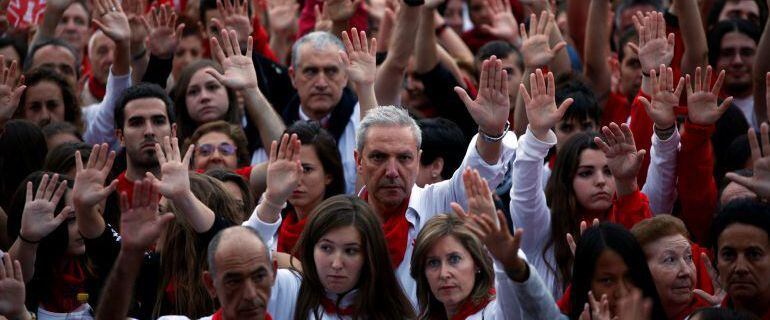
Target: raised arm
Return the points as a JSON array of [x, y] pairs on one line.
[[134, 10], [655, 48], [284, 171], [240, 75], [175, 185], [693, 36], [140, 227], [623, 159], [359, 57], [235, 16], [9, 95], [89, 190], [761, 73], [425, 54], [12, 291], [282, 16], [504, 24], [54, 9], [597, 50], [400, 48], [38, 221], [110, 18]]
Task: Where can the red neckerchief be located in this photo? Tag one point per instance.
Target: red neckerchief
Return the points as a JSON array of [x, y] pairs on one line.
[[125, 185], [331, 308], [468, 308], [96, 88], [170, 290], [66, 286], [290, 230], [552, 161], [218, 315], [396, 230]]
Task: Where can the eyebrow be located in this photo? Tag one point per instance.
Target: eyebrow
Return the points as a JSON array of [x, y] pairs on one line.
[[344, 244]]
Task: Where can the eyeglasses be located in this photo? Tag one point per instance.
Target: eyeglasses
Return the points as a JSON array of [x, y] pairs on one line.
[[224, 148]]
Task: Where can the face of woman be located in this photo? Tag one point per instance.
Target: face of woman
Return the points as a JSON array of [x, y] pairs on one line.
[[339, 257], [611, 278], [593, 182], [76, 245], [44, 103], [215, 150], [206, 98], [672, 268], [451, 272], [236, 193], [312, 186]]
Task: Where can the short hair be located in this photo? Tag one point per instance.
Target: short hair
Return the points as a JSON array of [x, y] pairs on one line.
[[745, 211], [625, 4], [61, 127], [500, 49], [233, 132], [722, 28], [51, 42], [214, 245], [18, 44], [319, 40], [72, 110], [61, 159], [228, 176], [442, 139], [386, 116], [139, 91], [650, 230], [584, 105]]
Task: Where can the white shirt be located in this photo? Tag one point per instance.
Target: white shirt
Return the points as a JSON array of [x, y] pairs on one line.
[[746, 105], [99, 118], [424, 203], [660, 187]]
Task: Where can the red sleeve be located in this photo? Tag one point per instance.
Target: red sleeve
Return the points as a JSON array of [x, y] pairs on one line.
[[244, 172], [697, 188], [703, 280], [564, 302], [630, 209], [616, 109], [262, 40], [641, 127], [360, 19]]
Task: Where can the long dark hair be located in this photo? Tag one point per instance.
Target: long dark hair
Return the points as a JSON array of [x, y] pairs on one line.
[[22, 151], [566, 212], [596, 240], [185, 124], [379, 293], [310, 133]]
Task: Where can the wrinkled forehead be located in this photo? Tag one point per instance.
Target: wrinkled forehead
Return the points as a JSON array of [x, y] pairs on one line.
[[318, 55], [395, 139]]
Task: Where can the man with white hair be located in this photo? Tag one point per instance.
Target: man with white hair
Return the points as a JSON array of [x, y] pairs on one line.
[[101, 52]]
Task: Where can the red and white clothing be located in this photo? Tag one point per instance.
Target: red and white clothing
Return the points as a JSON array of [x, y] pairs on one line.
[[660, 187], [99, 118], [424, 203]]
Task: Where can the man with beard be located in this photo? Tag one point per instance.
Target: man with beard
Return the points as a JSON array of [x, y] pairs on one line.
[[143, 117], [741, 239]]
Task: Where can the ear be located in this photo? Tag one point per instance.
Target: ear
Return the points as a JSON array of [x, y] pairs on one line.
[[121, 138], [436, 167], [208, 282], [357, 156], [328, 179], [291, 76]]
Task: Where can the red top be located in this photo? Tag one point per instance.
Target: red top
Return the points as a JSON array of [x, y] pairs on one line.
[[629, 209], [291, 229], [125, 185], [244, 172], [359, 20], [697, 188], [396, 229], [617, 109], [642, 128]]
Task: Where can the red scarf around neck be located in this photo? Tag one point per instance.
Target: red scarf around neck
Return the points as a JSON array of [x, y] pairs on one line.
[[290, 230], [396, 229], [96, 88], [331, 308], [70, 281], [218, 315], [468, 308]]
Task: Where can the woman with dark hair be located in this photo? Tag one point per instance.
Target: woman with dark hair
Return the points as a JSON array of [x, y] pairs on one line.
[[592, 179], [22, 151], [49, 97], [346, 271], [609, 263], [62, 158], [303, 171], [237, 188], [61, 282]]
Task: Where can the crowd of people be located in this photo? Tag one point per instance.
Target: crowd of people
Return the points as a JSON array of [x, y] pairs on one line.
[[385, 159]]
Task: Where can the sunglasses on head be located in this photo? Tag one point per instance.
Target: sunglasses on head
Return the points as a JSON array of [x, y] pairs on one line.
[[224, 148]]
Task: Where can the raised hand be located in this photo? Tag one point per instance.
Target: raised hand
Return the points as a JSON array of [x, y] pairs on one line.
[[654, 48], [759, 182], [701, 103], [164, 33], [239, 68], [360, 57], [504, 24], [235, 16], [140, 223], [110, 18], [583, 226], [719, 293], [12, 291], [622, 157], [134, 10], [284, 169], [664, 98], [89, 189], [283, 15], [9, 95], [175, 182], [542, 112], [341, 10], [535, 48], [491, 107], [597, 310], [477, 193], [323, 22], [38, 219]]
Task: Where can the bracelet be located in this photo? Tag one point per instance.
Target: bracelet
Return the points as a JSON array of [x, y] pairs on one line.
[[269, 203], [140, 55], [664, 134], [27, 240], [489, 138]]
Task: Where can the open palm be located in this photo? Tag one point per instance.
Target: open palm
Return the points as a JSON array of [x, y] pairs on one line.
[[140, 224], [359, 56], [535, 46], [12, 290], [702, 108], [239, 68], [542, 112], [175, 182], [760, 181], [491, 107], [89, 187], [9, 96], [284, 170], [664, 98], [623, 159], [38, 218]]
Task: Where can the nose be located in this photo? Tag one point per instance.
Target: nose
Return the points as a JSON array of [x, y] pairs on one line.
[[249, 289], [391, 171], [337, 261], [149, 129], [737, 59], [445, 272], [601, 179]]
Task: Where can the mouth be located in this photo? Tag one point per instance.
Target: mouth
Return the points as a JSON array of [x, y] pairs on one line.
[[601, 196]]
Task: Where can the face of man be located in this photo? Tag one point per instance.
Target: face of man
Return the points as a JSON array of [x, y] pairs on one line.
[[389, 163], [736, 57], [319, 78], [58, 58], [243, 279], [73, 26], [10, 54], [511, 66], [100, 53], [479, 13], [744, 264], [740, 9], [44, 103], [630, 73], [145, 124]]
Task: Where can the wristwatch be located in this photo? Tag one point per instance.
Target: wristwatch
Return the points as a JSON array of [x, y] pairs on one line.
[[489, 138]]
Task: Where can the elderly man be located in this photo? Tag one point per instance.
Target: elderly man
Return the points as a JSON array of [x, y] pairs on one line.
[[741, 240]]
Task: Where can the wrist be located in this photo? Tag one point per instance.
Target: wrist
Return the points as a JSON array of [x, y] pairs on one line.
[[664, 130], [519, 271], [29, 240], [625, 186], [273, 200]]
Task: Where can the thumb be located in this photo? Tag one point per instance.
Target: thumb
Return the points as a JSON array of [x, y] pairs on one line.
[[647, 104], [165, 219], [463, 96], [63, 215], [641, 153], [216, 75], [109, 189]]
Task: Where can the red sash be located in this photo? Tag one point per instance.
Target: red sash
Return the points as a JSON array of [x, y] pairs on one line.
[[218, 315], [66, 286], [396, 230], [331, 308], [289, 232]]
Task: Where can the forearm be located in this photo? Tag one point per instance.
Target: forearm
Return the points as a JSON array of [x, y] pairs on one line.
[[263, 116], [761, 67], [520, 120], [117, 292], [597, 49], [561, 62], [489, 151], [578, 15], [426, 56], [626, 186], [392, 70], [26, 253], [258, 179], [693, 36], [90, 222], [48, 27], [122, 58], [453, 44], [139, 67], [449, 63], [366, 97], [197, 214]]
